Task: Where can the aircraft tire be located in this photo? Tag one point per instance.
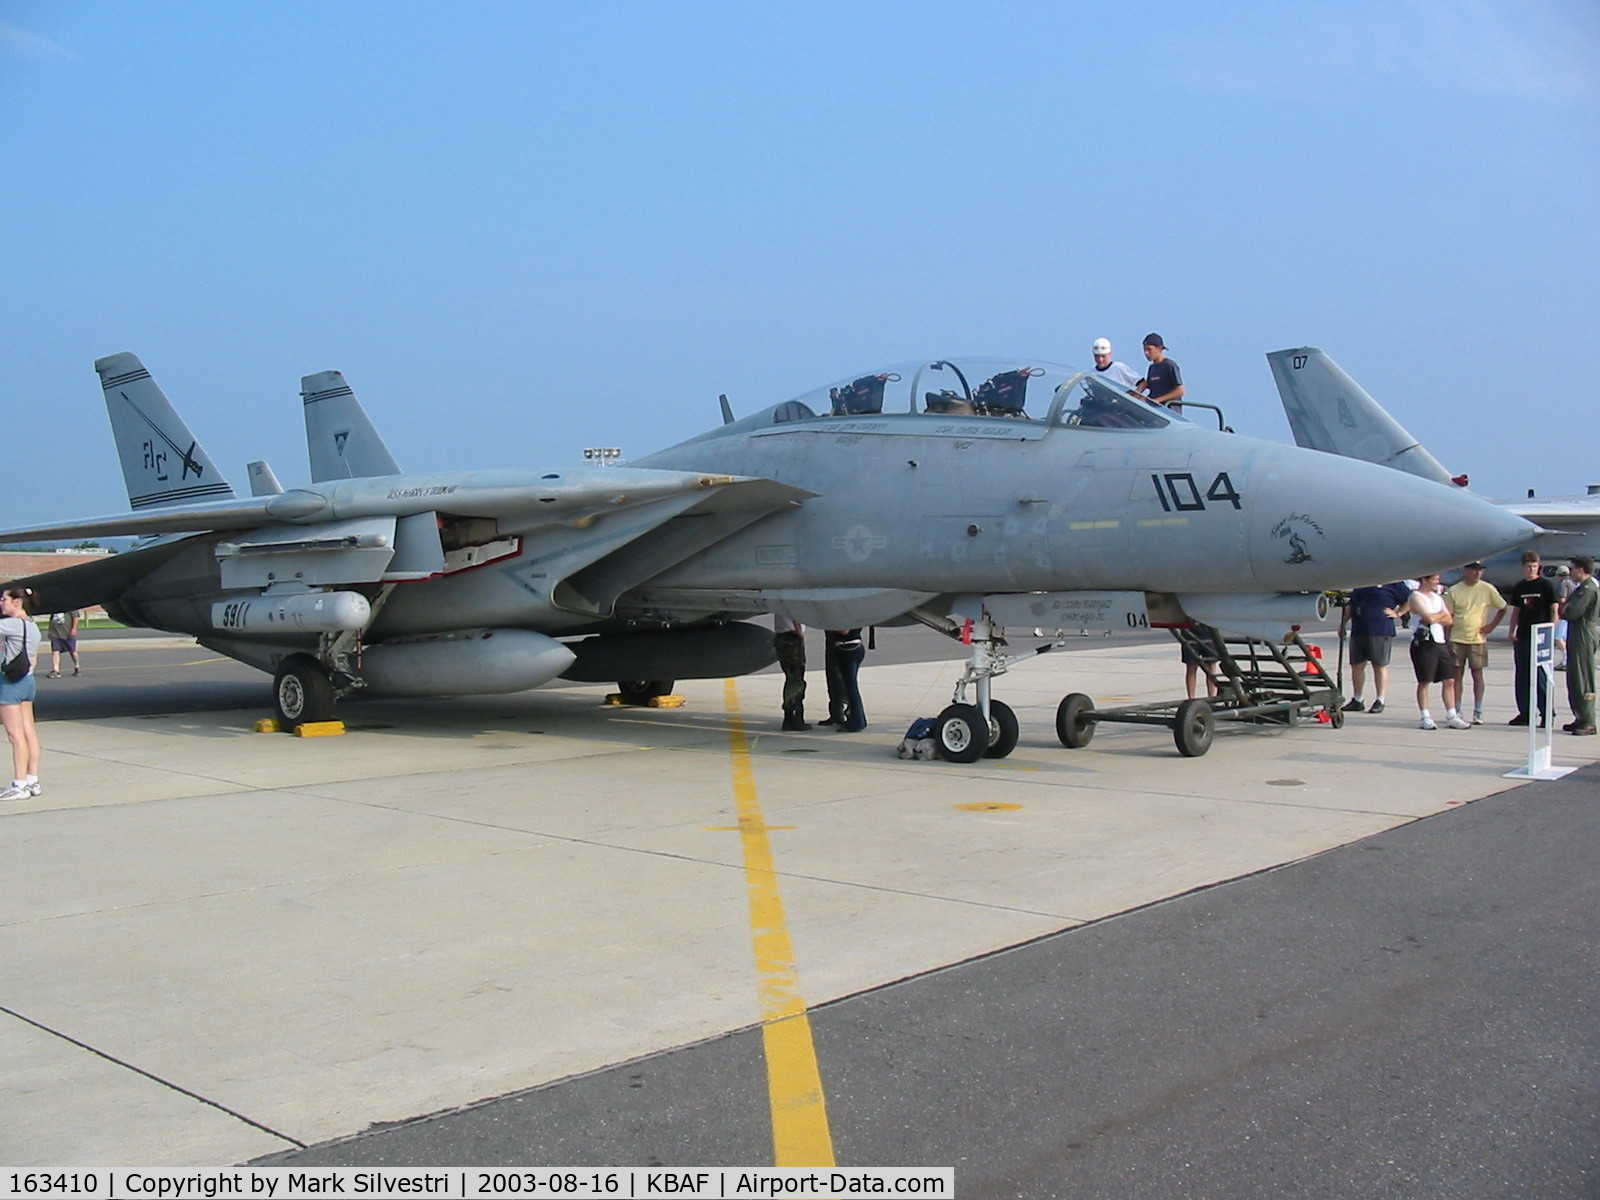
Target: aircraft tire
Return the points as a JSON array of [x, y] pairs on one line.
[[1003, 730], [1071, 726], [642, 691], [302, 692], [1194, 727], [961, 734]]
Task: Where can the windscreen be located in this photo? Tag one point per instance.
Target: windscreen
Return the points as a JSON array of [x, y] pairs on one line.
[[1091, 403]]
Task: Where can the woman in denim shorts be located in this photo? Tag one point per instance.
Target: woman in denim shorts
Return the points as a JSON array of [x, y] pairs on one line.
[[18, 632]]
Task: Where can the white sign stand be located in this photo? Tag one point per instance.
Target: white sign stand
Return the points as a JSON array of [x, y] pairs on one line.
[[1543, 656]]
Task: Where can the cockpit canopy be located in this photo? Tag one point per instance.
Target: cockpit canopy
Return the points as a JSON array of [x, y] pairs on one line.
[[982, 388]]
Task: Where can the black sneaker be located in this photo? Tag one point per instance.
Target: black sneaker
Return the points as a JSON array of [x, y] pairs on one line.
[[1355, 706], [1519, 719], [1377, 707]]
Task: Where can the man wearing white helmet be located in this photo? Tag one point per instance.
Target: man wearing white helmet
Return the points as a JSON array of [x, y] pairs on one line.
[[1118, 373]]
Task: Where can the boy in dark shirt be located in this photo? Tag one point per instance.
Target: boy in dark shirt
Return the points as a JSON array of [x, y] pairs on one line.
[[1533, 602], [1162, 382]]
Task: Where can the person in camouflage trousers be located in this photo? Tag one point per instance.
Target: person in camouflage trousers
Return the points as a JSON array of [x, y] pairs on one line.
[[791, 647]]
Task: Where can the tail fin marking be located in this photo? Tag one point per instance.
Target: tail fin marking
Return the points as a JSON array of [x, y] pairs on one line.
[[162, 462]]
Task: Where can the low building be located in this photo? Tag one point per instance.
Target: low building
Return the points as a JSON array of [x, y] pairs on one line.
[[21, 564]]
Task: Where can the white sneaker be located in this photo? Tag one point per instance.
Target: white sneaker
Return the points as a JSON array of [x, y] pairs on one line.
[[1426, 723], [1477, 716], [17, 791], [34, 789], [1456, 722]]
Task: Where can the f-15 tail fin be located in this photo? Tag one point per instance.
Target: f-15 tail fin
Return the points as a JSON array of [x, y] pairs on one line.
[[1329, 411], [339, 437], [162, 463]]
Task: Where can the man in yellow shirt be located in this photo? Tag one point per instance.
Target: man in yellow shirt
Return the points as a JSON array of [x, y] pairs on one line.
[[1470, 602]]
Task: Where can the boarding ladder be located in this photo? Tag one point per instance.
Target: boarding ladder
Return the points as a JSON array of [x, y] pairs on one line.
[[1279, 680]]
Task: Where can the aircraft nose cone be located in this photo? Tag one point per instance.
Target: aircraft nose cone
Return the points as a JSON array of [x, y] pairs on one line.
[[1331, 522]]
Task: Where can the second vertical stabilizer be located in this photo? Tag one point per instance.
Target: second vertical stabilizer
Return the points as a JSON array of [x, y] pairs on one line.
[[340, 438]]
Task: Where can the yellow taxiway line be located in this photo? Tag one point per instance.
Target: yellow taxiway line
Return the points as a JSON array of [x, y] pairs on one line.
[[800, 1134]]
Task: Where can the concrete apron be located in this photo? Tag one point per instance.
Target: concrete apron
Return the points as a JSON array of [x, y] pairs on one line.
[[218, 944]]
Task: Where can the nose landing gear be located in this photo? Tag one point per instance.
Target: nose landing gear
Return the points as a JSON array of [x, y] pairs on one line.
[[965, 731], [962, 734]]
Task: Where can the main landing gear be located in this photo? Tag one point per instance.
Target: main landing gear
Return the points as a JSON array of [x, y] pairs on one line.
[[305, 687], [302, 691]]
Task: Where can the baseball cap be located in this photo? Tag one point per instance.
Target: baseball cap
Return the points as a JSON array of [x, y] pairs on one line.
[[1474, 565], [1101, 346], [1154, 339]]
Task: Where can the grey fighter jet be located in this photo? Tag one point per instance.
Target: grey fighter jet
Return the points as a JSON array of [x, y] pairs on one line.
[[971, 496], [1331, 412]]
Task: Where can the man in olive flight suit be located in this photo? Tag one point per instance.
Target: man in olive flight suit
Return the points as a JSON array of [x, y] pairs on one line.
[[1581, 610]]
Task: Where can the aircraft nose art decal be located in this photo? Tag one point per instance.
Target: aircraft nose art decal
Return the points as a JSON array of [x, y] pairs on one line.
[[1297, 528], [859, 542]]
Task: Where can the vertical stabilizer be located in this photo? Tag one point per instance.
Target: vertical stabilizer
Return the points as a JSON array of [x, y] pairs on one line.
[[263, 479], [1329, 411], [339, 437], [162, 463]]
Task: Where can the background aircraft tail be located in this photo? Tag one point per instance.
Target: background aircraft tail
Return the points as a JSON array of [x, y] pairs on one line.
[[339, 437], [263, 479], [162, 463], [1329, 411]]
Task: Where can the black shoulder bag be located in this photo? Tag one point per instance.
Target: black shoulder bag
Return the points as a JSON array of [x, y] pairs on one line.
[[16, 668]]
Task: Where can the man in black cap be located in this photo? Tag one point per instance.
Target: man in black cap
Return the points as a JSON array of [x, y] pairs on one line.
[[1162, 382]]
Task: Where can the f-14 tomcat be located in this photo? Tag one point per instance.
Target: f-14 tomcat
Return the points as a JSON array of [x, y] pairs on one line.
[[965, 495]]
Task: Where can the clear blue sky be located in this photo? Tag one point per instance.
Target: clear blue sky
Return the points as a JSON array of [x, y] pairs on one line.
[[525, 228]]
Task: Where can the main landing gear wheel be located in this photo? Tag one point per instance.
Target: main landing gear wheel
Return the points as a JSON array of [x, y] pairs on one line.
[[1194, 727], [642, 691], [1003, 730], [302, 693], [961, 735], [1072, 727]]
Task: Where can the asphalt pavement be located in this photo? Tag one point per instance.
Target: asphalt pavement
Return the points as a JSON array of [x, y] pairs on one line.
[[1409, 1016]]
